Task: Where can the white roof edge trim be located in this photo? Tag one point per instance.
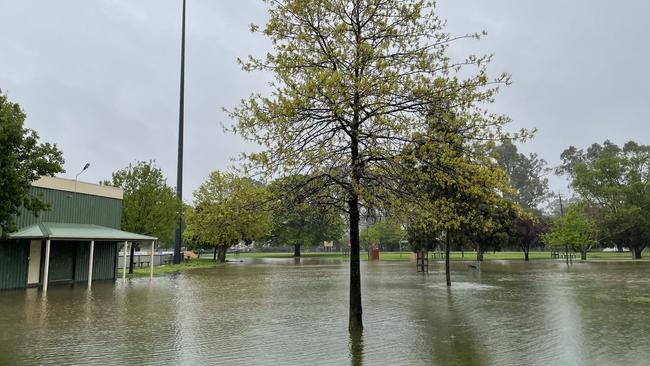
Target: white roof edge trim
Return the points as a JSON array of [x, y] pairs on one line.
[[68, 185]]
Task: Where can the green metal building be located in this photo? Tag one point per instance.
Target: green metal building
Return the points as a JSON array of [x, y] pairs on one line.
[[76, 240]]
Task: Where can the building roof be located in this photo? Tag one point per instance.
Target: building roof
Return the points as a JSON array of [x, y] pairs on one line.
[[65, 231], [70, 185]]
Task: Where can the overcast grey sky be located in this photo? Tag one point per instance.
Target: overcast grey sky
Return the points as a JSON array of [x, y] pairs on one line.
[[100, 78]]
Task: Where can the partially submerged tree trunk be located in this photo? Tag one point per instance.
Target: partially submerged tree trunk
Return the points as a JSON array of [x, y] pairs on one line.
[[296, 250], [447, 274], [355, 323], [214, 255], [479, 253], [583, 253], [526, 249], [131, 258], [221, 253], [636, 251]]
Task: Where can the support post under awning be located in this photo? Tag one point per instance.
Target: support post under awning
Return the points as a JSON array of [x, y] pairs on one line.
[[153, 247], [90, 263], [46, 274], [126, 244]]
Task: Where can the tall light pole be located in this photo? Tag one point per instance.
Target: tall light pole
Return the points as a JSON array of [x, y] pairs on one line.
[[179, 170]]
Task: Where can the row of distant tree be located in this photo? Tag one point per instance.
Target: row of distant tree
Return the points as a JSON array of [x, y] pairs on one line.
[[610, 207]]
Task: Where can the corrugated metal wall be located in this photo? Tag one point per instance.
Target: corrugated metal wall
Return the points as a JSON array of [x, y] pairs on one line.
[[67, 207], [13, 263], [104, 260], [77, 208]]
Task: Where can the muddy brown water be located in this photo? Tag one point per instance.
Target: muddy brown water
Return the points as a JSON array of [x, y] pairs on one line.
[[294, 312]]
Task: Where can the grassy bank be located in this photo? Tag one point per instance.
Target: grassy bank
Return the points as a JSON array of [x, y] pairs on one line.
[[454, 256], [170, 268], [384, 256]]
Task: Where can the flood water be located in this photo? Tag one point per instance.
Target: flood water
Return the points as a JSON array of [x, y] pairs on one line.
[[294, 312]]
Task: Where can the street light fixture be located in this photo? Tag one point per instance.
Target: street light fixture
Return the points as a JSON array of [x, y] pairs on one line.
[[77, 176]]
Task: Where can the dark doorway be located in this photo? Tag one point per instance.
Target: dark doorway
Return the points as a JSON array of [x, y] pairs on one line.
[[62, 260]]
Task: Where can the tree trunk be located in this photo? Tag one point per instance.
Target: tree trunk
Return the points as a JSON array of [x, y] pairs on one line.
[[636, 252], [583, 254], [221, 254], [447, 274], [355, 323], [479, 253], [214, 255], [296, 250], [131, 258], [526, 249]]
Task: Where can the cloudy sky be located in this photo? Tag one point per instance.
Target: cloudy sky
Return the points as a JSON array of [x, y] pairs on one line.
[[100, 78]]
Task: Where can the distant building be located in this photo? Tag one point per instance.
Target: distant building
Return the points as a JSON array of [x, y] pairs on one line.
[[57, 245]]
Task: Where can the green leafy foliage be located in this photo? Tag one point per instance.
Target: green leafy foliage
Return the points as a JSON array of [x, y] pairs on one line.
[[299, 220], [615, 182], [451, 183], [526, 176], [22, 161], [228, 209], [386, 234], [149, 205], [575, 228]]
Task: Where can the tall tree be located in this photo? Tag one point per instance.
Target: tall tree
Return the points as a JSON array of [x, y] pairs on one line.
[[616, 181], [353, 80], [526, 174], [453, 185], [22, 161], [228, 209], [149, 205]]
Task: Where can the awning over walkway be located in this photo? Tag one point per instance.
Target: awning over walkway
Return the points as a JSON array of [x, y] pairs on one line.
[[64, 231]]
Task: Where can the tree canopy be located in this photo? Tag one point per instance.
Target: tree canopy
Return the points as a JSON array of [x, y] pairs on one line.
[[574, 228], [616, 182], [354, 82], [386, 233], [228, 209], [149, 205], [22, 161], [526, 176]]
